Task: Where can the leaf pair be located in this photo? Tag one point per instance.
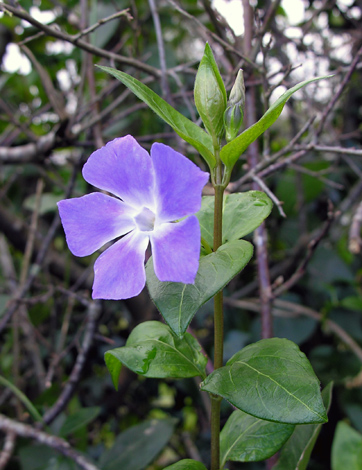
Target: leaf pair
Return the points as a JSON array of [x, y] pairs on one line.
[[193, 134]]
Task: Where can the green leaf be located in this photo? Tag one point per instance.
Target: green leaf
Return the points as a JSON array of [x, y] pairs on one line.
[[242, 213], [153, 350], [210, 94], [297, 451], [178, 302], [273, 380], [186, 129], [346, 448], [245, 438], [138, 446], [79, 419], [231, 152], [186, 464]]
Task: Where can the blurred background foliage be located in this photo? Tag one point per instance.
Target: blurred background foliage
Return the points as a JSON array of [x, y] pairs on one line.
[[56, 108]]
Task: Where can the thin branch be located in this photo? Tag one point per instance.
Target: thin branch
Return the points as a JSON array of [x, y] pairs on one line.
[[336, 96], [8, 449], [103, 21], [68, 390], [272, 196], [25, 430], [312, 246], [56, 33], [166, 92], [355, 240]]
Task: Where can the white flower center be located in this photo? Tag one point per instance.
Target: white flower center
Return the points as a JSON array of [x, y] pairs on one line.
[[145, 220]]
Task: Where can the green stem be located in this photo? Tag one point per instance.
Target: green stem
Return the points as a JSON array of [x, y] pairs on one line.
[[218, 324]]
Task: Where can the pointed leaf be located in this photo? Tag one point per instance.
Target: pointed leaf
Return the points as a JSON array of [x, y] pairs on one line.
[[187, 464], [271, 379], [242, 213], [231, 152], [186, 129], [79, 419], [136, 447], [297, 451], [153, 350], [245, 438], [178, 302], [346, 448]]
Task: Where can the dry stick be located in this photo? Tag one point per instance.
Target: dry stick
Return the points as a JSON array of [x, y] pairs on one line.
[[25, 430], [296, 309], [39, 260], [51, 31], [338, 94], [166, 92], [312, 246], [268, 161], [260, 235], [68, 390], [8, 449], [103, 21], [55, 98], [209, 33], [355, 240], [272, 196], [97, 129]]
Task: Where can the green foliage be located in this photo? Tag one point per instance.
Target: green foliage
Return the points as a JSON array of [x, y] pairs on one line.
[[185, 128], [153, 350], [186, 464], [178, 302], [297, 451], [232, 151], [271, 379], [242, 213], [245, 438], [347, 448], [78, 420], [138, 446]]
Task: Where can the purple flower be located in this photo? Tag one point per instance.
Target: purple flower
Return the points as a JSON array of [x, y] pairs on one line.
[[152, 193]]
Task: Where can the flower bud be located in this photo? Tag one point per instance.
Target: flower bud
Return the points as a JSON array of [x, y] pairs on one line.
[[234, 114], [210, 94]]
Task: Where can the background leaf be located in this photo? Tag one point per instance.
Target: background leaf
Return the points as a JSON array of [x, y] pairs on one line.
[[186, 464], [153, 350], [178, 302], [231, 152], [346, 448], [297, 451], [271, 379], [138, 446], [245, 438], [186, 129], [79, 419]]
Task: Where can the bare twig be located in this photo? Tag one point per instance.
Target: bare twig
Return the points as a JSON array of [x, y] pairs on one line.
[[51, 31], [25, 430], [312, 246], [69, 388], [336, 96], [355, 240], [8, 449]]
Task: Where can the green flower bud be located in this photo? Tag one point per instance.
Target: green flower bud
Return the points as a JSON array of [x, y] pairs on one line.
[[234, 114], [210, 94]]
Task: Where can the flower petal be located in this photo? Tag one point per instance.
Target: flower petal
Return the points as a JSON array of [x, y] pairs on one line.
[[93, 220], [179, 183], [119, 272], [176, 250], [123, 168]]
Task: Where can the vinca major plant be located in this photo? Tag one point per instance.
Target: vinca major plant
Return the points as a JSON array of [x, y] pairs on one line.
[[197, 249]]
